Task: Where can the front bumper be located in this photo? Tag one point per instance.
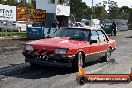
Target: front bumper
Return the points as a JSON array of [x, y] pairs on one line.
[[57, 61]]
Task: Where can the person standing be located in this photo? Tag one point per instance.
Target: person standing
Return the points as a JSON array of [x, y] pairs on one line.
[[55, 24], [114, 28]]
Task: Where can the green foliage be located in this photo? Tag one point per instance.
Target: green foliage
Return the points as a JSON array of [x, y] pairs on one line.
[[11, 2], [1, 1], [99, 12], [22, 3], [113, 10], [87, 12], [79, 9], [124, 12], [10, 34]]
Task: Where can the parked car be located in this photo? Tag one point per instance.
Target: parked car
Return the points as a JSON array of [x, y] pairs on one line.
[[70, 47], [10, 26], [14, 27], [107, 26], [122, 24], [80, 24]]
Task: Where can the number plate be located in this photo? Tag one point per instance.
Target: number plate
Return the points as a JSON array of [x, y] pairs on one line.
[[41, 57]]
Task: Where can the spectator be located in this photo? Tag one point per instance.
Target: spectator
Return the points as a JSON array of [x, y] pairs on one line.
[[114, 28], [55, 24]]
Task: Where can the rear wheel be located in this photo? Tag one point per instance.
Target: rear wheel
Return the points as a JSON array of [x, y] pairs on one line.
[[108, 55], [78, 61]]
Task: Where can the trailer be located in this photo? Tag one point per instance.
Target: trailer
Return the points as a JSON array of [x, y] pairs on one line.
[[122, 24]]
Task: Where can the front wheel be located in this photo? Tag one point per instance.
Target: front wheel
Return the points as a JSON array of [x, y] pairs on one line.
[[81, 80], [78, 61], [33, 65]]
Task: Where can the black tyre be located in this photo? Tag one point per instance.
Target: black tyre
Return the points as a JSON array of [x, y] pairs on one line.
[[33, 65], [78, 61], [107, 57], [81, 80]]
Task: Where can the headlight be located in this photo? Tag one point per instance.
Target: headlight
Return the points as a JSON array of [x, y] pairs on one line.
[[60, 51], [29, 47]]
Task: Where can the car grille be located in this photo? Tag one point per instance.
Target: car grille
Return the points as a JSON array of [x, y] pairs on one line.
[[41, 52]]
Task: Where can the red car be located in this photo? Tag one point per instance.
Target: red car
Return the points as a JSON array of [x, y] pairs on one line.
[[70, 47]]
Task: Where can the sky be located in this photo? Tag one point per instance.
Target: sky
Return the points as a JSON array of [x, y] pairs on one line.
[[119, 2]]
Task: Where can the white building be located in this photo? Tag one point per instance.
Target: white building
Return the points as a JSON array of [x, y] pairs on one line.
[[59, 9]]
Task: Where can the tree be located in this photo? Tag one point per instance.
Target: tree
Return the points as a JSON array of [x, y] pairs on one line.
[[34, 3], [124, 12], [11, 2], [1, 1], [113, 9], [99, 11], [22, 3], [8, 2], [87, 12], [79, 9]]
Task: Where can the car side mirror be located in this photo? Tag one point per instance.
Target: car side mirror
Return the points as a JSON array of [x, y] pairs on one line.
[[93, 41]]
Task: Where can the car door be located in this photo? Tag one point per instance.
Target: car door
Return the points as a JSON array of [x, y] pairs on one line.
[[103, 42], [94, 47]]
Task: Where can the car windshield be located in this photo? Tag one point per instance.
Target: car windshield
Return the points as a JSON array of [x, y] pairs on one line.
[[83, 24], [73, 33]]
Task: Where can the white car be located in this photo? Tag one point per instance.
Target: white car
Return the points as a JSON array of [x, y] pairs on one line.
[[10, 26], [80, 24]]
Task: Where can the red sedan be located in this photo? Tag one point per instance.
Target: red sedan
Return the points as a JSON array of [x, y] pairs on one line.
[[69, 47]]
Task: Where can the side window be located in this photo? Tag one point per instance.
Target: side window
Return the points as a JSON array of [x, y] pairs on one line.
[[102, 36], [94, 36], [87, 23]]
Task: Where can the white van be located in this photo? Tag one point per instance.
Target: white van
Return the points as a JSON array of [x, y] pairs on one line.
[[93, 22]]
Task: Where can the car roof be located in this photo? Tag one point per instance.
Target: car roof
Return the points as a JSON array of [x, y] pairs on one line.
[[86, 27]]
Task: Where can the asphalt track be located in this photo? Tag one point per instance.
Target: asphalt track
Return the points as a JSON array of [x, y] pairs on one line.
[[15, 73]]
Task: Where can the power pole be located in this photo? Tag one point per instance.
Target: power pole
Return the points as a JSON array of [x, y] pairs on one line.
[[5, 2], [92, 14], [92, 10]]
